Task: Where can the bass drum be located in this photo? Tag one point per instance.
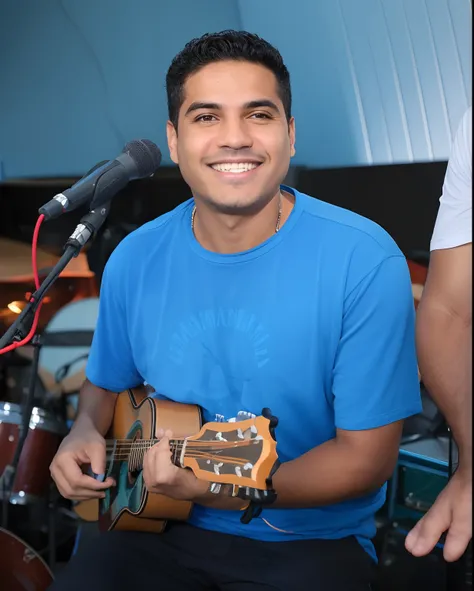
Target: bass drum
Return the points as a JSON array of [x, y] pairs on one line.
[[21, 568], [67, 341]]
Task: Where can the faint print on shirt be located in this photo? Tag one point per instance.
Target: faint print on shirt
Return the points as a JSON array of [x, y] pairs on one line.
[[208, 321]]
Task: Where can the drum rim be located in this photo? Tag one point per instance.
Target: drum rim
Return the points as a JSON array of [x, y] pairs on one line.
[[17, 408], [36, 555], [49, 421]]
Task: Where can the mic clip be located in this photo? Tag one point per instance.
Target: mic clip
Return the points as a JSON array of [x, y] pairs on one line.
[[88, 226]]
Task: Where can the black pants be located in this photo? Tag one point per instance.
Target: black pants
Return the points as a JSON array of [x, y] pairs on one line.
[[185, 558]]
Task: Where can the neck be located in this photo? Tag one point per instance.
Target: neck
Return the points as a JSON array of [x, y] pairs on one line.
[[230, 234]]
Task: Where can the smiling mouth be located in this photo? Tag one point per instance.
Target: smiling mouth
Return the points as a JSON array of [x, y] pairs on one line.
[[235, 167]]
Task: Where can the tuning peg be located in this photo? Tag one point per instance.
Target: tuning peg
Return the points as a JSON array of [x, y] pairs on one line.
[[267, 413]]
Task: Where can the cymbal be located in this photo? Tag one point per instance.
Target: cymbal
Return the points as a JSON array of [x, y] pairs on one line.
[[15, 263]]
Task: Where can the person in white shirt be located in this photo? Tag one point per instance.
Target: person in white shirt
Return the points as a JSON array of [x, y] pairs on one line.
[[444, 344]]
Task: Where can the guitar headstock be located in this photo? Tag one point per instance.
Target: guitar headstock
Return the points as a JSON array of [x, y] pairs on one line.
[[241, 453]]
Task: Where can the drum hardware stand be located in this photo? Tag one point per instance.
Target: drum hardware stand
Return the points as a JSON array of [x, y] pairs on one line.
[[52, 507], [49, 551], [8, 476]]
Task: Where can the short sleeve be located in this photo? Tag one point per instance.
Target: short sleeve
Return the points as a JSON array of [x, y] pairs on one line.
[[453, 225], [110, 364], [375, 376]]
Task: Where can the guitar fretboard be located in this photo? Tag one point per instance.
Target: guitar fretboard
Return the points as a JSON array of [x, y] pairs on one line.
[[133, 451]]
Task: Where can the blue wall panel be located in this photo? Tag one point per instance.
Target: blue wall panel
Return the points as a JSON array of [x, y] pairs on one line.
[[374, 81]]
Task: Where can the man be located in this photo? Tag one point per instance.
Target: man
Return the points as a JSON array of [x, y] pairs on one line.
[[249, 295], [444, 340]]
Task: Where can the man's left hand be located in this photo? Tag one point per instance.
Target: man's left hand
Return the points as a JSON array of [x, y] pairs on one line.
[[163, 477]]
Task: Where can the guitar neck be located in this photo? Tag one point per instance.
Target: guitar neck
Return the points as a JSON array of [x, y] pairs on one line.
[[241, 453], [133, 451]]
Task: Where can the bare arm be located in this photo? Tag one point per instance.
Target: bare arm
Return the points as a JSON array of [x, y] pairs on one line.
[[96, 408], [444, 333], [353, 464], [444, 340], [85, 445]]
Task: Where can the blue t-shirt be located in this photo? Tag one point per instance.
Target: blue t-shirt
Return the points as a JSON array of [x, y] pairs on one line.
[[316, 323]]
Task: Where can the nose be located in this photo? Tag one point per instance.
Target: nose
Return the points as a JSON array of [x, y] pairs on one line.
[[234, 134]]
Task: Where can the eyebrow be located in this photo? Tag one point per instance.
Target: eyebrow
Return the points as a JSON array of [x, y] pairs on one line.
[[257, 104]]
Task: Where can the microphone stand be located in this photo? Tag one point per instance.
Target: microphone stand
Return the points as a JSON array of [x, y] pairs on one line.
[[85, 231]]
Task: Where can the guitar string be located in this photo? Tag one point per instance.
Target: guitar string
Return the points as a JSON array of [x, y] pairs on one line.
[[178, 447], [174, 442], [124, 452], [198, 455], [236, 461], [133, 451]]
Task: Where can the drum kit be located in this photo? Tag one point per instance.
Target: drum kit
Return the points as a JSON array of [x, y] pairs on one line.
[[39, 387]]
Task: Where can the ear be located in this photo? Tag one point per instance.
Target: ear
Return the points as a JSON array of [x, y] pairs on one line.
[[292, 134], [172, 136]]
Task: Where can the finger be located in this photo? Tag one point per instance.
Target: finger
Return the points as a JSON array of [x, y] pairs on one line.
[[412, 536], [457, 539], [162, 433], [77, 479], [84, 495], [75, 494], [166, 451], [427, 532], [151, 472], [90, 483], [102, 478], [95, 455]]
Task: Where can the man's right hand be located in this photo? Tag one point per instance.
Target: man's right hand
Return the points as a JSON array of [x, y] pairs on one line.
[[451, 513], [83, 446]]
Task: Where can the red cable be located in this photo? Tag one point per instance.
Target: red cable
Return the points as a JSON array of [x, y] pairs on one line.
[[34, 264]]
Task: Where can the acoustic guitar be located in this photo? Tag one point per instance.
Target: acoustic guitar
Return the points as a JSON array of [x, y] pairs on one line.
[[241, 453]]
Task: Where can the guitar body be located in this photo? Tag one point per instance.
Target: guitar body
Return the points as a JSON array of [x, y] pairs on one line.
[[129, 506]]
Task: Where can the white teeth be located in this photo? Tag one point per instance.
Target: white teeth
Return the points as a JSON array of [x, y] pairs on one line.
[[235, 167]]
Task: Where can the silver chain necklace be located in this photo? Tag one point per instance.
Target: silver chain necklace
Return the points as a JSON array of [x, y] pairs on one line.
[[277, 226]]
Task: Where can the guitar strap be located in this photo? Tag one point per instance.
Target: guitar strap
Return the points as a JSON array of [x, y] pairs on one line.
[[258, 498]]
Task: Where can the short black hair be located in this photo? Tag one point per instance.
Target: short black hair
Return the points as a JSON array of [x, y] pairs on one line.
[[226, 45]]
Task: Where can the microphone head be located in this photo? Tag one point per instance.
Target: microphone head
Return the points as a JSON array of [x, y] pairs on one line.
[[146, 156]]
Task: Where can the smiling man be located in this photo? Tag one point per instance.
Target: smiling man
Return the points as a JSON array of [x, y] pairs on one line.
[[249, 295]]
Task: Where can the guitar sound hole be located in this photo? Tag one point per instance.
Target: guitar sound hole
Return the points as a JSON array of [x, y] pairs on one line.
[[132, 477], [135, 459]]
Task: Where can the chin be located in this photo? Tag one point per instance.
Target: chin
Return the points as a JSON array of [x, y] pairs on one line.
[[232, 204]]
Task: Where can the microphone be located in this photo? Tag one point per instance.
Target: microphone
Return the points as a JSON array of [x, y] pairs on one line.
[[139, 159]]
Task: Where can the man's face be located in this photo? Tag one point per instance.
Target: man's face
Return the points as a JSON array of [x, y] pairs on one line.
[[233, 143]]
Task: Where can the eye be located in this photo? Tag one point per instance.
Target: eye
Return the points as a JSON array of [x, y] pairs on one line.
[[261, 115], [205, 118]]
